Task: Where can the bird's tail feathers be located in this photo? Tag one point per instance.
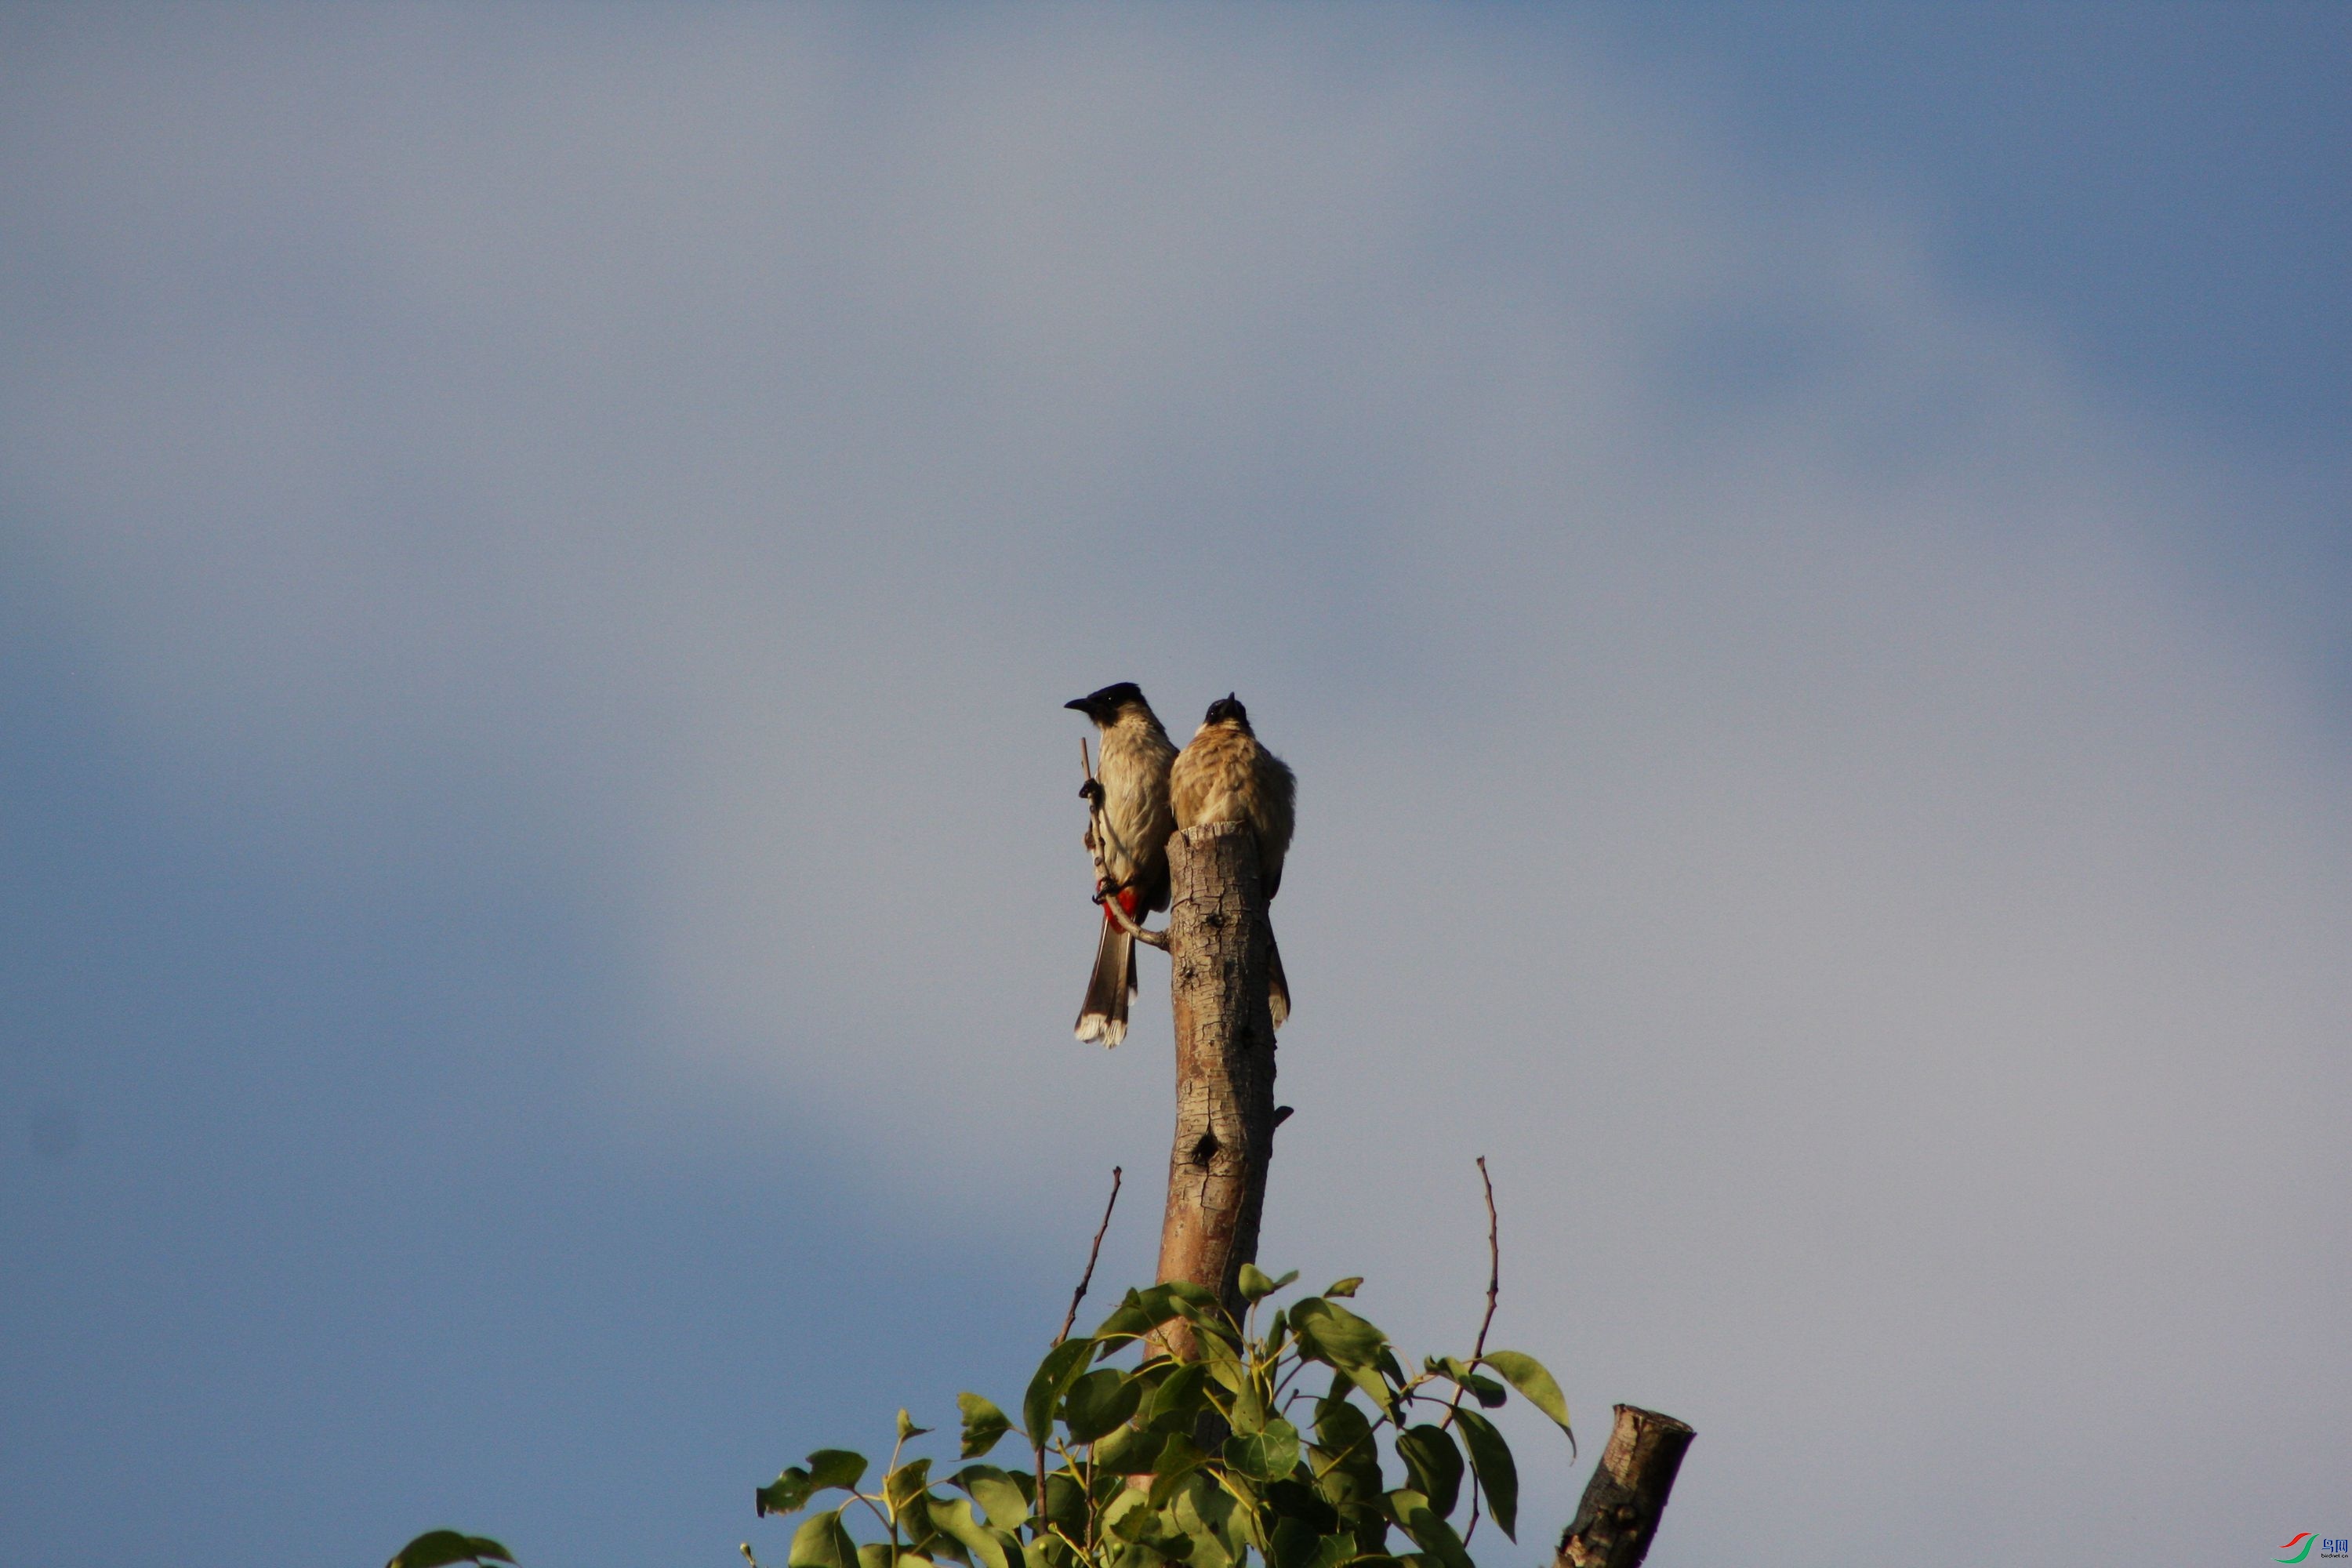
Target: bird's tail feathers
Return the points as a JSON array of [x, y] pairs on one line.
[[1102, 1016]]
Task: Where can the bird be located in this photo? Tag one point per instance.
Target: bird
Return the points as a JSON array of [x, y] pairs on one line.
[[1129, 828], [1223, 774]]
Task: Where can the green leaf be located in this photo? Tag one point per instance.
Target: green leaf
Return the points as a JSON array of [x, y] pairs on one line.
[[1060, 1369], [1244, 1526], [1339, 1425], [1128, 1514], [1292, 1544], [1246, 1410], [1256, 1287], [1347, 1463], [1208, 1551], [915, 1523], [1434, 1465], [876, 1554], [903, 1485], [1431, 1533], [1266, 1455], [834, 1467], [983, 1424], [789, 1492], [1334, 1335], [440, 1548], [1140, 1313], [1208, 1514], [1498, 1474], [1131, 1451], [1184, 1290], [1177, 1400], [821, 1543], [1204, 1312], [954, 1520], [1483, 1389], [1348, 1489], [1364, 1520], [906, 1427], [1375, 1388], [1225, 1367], [1099, 1403], [1179, 1457], [1295, 1499], [999, 1496], [1528, 1375], [1211, 1549], [1065, 1502], [1345, 1287]]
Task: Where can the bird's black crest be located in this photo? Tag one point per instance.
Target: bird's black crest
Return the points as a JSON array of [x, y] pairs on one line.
[[1103, 706], [1227, 709]]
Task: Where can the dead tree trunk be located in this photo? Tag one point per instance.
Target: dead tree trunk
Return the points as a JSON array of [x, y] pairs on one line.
[[1619, 1516], [1218, 942]]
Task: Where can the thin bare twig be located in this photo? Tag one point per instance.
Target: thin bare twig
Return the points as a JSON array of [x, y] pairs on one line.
[[1096, 1251], [1494, 1293], [1076, 1296], [1494, 1262], [1105, 894]]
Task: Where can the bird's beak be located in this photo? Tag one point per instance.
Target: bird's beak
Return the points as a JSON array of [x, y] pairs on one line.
[[1082, 705]]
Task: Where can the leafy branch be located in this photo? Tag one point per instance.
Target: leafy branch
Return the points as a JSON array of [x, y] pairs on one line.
[[1136, 1464]]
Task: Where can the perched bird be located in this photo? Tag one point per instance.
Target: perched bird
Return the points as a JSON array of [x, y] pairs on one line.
[[1224, 776], [1130, 828]]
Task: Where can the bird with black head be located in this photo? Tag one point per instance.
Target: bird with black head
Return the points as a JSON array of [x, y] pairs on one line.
[[1129, 831]]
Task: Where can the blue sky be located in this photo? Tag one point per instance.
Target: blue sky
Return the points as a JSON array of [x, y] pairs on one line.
[[1798, 554], [2151, 185]]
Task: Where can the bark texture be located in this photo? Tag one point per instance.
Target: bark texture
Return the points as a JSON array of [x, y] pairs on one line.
[[1218, 940], [1619, 1517]]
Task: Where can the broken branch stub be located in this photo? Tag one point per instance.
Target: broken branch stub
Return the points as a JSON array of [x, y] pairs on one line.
[[1619, 1516]]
